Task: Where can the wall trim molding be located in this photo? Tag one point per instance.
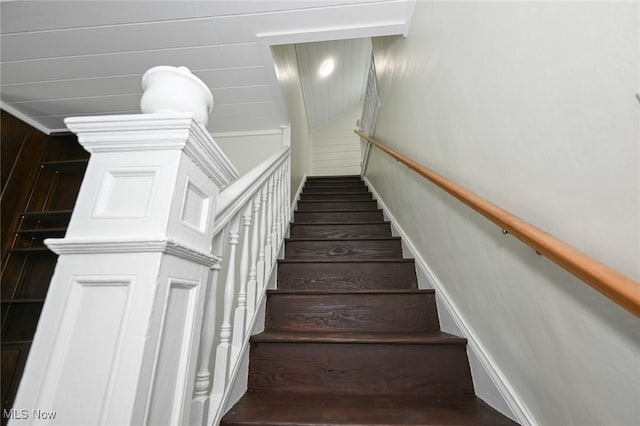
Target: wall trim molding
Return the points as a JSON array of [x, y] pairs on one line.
[[246, 133], [508, 394], [30, 121], [64, 246], [294, 203]]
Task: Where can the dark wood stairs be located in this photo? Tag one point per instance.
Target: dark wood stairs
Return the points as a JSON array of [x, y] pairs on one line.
[[349, 338]]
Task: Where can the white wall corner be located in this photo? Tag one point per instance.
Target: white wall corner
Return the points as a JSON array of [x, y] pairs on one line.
[[490, 383]]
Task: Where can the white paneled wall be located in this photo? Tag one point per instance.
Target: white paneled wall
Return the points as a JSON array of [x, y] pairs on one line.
[[327, 97], [335, 148]]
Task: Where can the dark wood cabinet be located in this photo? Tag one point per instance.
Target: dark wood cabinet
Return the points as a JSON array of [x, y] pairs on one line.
[[41, 177]]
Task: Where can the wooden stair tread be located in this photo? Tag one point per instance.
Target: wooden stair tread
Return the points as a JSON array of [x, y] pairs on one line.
[[342, 211], [334, 201], [287, 408], [382, 222], [336, 192], [438, 338], [365, 196], [335, 177], [335, 292], [346, 261], [329, 239]]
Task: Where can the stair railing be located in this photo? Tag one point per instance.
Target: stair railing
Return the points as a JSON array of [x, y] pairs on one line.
[[370, 107], [251, 218], [619, 288]]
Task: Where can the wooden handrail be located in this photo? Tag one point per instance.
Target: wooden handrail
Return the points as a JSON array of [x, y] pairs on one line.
[[619, 288]]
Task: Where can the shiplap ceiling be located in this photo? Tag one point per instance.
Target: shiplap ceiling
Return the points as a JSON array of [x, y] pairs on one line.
[[69, 58], [325, 98]]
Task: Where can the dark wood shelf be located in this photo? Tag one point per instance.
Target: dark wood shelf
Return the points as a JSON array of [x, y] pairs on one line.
[[42, 232], [65, 165], [20, 301], [30, 250], [48, 216]]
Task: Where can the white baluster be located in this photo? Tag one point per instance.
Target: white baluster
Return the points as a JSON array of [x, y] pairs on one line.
[[200, 406], [288, 189], [283, 202], [269, 241], [241, 309], [274, 213], [288, 197], [253, 264], [274, 216], [222, 364], [263, 236]]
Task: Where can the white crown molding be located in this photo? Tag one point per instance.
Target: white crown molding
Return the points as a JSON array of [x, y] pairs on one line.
[[508, 394], [153, 132], [63, 246], [30, 121]]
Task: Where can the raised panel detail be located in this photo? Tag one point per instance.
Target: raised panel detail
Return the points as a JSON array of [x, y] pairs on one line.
[[89, 341], [170, 373], [125, 193], [195, 208]]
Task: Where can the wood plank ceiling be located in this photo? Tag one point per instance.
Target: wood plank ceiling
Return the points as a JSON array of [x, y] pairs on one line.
[[68, 58]]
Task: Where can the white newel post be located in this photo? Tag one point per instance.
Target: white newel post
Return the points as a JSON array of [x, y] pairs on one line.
[[118, 338]]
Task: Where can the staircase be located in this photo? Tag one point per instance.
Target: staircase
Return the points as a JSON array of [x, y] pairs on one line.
[[48, 177], [349, 338]]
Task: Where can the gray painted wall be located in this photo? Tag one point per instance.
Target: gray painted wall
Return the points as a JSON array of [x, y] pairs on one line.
[[532, 106]]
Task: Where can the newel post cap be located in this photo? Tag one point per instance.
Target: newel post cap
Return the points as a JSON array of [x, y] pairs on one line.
[[175, 89]]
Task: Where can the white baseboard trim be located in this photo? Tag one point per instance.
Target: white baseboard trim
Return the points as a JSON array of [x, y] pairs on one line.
[[504, 388], [294, 204]]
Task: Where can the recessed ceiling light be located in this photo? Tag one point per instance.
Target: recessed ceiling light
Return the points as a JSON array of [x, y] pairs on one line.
[[326, 68]]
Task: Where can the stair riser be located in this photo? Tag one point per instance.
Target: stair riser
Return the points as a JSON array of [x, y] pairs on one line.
[[337, 217], [341, 250], [337, 205], [381, 312], [349, 368], [347, 276], [336, 196], [340, 231], [325, 189]]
